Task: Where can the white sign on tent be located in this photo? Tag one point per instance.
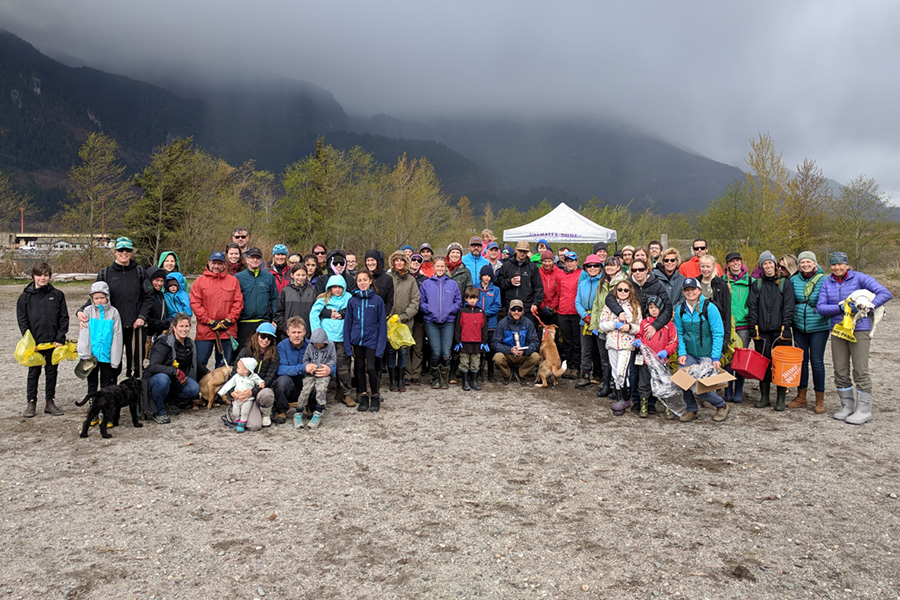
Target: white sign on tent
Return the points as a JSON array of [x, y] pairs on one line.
[[562, 224]]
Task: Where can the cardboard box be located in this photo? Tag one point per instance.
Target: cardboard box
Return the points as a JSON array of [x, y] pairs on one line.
[[685, 380]]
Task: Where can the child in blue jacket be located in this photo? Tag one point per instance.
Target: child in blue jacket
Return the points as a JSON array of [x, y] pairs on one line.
[[365, 337], [177, 300], [490, 303]]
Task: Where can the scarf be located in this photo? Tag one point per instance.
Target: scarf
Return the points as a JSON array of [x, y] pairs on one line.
[[452, 266]]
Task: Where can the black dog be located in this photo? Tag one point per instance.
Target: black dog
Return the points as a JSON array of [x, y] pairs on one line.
[[109, 401]]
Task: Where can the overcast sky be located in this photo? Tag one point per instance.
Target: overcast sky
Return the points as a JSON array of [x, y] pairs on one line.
[[821, 76]]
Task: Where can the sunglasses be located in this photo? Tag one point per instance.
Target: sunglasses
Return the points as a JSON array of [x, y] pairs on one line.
[[320, 253], [125, 250], [623, 289], [592, 266], [239, 237], [699, 247], [671, 260], [517, 309], [636, 270], [339, 263], [418, 260]]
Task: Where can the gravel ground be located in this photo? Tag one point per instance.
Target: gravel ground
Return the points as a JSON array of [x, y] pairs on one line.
[[506, 493]]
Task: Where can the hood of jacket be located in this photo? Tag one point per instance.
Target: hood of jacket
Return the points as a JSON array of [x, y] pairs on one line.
[[165, 255], [402, 255], [177, 277], [379, 261], [329, 270], [336, 280]]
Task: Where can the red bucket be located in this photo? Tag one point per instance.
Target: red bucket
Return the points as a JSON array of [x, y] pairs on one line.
[[749, 363]]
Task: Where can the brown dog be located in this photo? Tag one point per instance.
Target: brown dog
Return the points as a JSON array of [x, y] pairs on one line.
[[210, 384], [551, 367]]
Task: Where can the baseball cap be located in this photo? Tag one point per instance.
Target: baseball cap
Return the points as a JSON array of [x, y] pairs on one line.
[[570, 255], [426, 245], [731, 256], [217, 256], [266, 329], [475, 240], [516, 303], [690, 282], [124, 243], [493, 245], [254, 252]]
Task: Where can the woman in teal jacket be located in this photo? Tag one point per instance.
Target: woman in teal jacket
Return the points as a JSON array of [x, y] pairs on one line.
[[328, 312], [810, 329]]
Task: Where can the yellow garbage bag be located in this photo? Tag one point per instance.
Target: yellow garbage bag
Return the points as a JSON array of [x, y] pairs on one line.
[[68, 351], [399, 334], [26, 353]]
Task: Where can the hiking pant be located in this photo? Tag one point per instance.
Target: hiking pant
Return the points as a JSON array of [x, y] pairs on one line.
[[525, 362], [842, 353]]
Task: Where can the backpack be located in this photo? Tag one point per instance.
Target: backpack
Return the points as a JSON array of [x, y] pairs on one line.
[[758, 283]]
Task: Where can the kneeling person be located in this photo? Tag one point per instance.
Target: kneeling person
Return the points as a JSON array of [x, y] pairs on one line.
[[320, 364], [516, 343]]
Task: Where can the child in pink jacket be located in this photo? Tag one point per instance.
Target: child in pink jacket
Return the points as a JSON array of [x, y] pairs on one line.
[[663, 343]]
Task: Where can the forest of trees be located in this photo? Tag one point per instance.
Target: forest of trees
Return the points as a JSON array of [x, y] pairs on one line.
[[186, 200]]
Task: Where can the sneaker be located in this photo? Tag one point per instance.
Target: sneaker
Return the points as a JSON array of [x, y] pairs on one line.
[[570, 374], [688, 416], [298, 421], [239, 428], [584, 381], [721, 414], [266, 421], [316, 419], [29, 409], [162, 419]]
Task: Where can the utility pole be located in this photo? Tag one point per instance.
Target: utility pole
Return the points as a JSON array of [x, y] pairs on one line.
[[21, 219]]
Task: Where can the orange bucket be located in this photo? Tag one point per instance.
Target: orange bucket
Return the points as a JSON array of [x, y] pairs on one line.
[[787, 362]]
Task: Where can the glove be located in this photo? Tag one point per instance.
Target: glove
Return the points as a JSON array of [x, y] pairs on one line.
[[211, 324], [662, 354], [636, 343], [181, 376], [550, 311], [587, 319], [756, 329], [485, 348], [619, 325], [853, 306], [219, 326], [457, 347], [596, 332]]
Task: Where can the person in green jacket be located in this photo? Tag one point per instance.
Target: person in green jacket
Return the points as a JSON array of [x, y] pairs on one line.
[[810, 329], [738, 279]]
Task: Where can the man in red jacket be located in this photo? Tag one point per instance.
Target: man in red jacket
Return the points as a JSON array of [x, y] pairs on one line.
[[217, 303], [691, 268]]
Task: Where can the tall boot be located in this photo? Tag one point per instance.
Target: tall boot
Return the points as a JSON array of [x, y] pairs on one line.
[[820, 403], [435, 377], [490, 370], [445, 374], [606, 390], [738, 390], [799, 401], [729, 391], [465, 381], [473, 381], [863, 412], [401, 379], [618, 407], [392, 379], [780, 397], [764, 389], [847, 404]]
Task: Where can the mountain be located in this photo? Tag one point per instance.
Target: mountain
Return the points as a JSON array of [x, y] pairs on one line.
[[50, 108], [578, 157]]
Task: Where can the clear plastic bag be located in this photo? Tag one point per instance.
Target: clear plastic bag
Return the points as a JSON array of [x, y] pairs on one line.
[[661, 382]]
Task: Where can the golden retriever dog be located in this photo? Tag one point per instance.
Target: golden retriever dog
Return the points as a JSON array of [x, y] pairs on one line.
[[210, 384], [551, 368]]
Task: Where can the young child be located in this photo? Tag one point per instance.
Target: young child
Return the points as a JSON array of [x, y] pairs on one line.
[[365, 337], [620, 334], [294, 300], [320, 364], [42, 310], [489, 301], [470, 336], [328, 313], [177, 299], [663, 343], [102, 338], [244, 378]]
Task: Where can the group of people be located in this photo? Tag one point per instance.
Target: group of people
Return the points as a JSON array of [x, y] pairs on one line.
[[298, 326]]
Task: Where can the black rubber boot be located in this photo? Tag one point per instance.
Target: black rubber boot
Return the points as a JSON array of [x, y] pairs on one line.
[[465, 381], [401, 379], [473, 381], [606, 390], [362, 403], [392, 379], [780, 394], [435, 378], [764, 390]]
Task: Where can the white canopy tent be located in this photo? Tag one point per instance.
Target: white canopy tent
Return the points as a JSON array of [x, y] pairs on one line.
[[562, 224]]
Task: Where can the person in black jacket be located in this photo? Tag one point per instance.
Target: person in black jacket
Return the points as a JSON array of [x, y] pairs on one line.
[[261, 347], [520, 279], [336, 264], [42, 310], [173, 371], [127, 293], [770, 308], [384, 284], [156, 305]]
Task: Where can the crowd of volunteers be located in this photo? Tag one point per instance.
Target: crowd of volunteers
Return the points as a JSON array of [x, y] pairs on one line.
[[302, 327]]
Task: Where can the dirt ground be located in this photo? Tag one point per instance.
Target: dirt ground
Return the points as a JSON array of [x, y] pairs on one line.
[[510, 492]]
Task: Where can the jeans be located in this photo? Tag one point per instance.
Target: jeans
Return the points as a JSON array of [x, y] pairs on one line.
[[164, 387], [440, 338], [396, 358], [711, 397], [205, 349], [813, 346]]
